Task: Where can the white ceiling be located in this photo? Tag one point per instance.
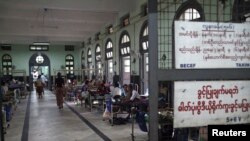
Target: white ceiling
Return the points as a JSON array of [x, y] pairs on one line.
[[57, 21]]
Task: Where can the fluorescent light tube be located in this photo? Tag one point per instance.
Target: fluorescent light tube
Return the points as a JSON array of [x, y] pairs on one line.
[[41, 43]]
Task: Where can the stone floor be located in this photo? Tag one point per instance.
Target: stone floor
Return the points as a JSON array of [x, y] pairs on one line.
[[40, 120]]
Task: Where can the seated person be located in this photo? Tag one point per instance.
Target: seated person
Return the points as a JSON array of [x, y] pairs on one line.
[[69, 91], [132, 94], [84, 92], [102, 89], [116, 92], [135, 96], [124, 90]]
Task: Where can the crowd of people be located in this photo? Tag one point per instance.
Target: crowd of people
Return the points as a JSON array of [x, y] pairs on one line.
[[11, 92], [125, 96], [40, 83], [69, 89]]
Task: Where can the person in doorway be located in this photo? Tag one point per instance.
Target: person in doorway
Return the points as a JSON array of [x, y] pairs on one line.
[[59, 85], [44, 79], [39, 86]]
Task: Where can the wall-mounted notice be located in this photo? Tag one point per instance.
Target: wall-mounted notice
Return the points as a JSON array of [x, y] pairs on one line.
[[203, 103], [212, 45]]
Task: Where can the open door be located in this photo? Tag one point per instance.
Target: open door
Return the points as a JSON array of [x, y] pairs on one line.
[[39, 63]]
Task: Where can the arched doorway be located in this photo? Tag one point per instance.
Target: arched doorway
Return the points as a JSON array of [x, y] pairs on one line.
[[39, 63]]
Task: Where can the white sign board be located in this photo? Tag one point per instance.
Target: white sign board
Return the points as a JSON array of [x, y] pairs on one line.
[[212, 45], [202, 103]]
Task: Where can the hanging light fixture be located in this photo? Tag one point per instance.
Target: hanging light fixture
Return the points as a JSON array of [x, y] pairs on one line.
[[44, 16]]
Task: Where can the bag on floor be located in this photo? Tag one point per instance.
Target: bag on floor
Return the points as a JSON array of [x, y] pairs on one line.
[[106, 114]]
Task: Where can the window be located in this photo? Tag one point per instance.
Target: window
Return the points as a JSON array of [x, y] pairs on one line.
[[125, 39], [7, 64], [83, 60], [6, 47], [189, 15], [109, 49], [109, 57], [69, 48], [146, 64], [144, 67], [89, 56], [98, 53], [144, 38], [125, 44], [110, 66], [190, 11], [99, 68], [69, 61], [98, 59], [126, 70], [125, 57], [89, 63]]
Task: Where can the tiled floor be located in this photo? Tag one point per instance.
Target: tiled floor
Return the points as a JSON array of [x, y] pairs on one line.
[[40, 120]]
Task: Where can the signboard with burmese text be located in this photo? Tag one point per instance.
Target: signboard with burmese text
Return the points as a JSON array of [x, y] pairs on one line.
[[200, 45], [203, 103]]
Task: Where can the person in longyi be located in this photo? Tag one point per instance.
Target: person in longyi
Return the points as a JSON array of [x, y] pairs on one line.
[[39, 86], [59, 85]]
